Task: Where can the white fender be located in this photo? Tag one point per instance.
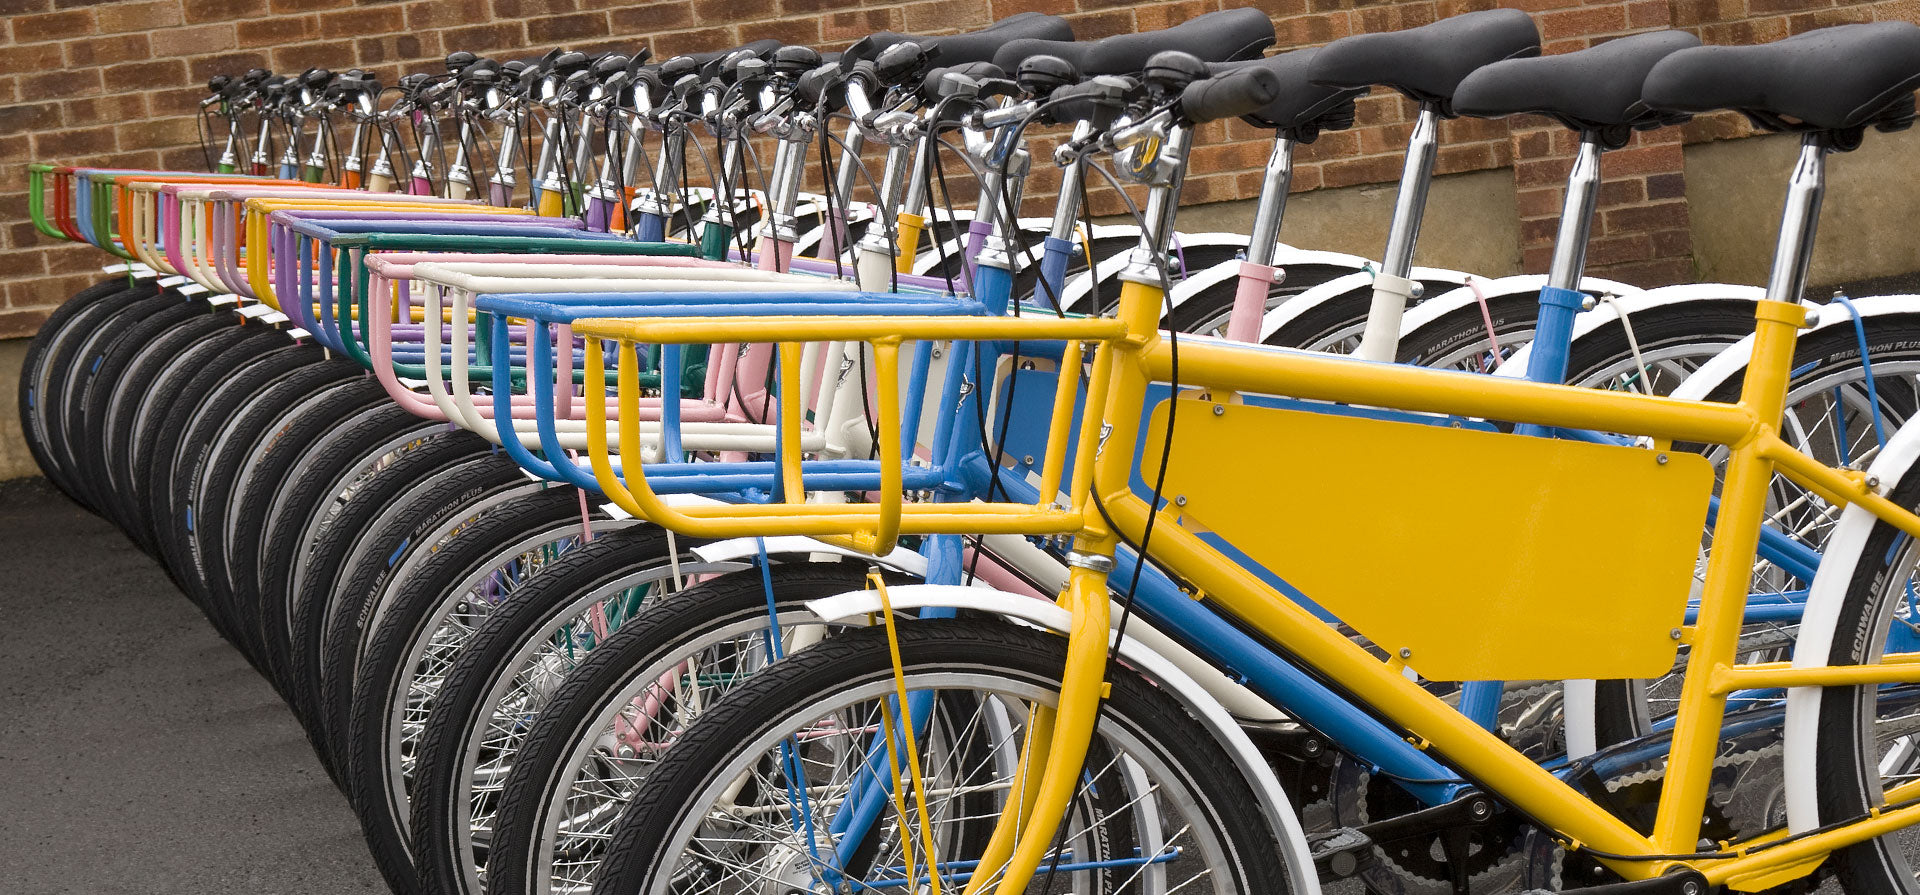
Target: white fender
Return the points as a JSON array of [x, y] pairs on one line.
[[1603, 313], [854, 606], [1733, 361], [1839, 558], [1080, 285], [1283, 257], [900, 560], [1359, 281], [1454, 299]]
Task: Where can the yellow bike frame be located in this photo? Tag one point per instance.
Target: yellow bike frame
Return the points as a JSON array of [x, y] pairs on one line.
[[1711, 673]]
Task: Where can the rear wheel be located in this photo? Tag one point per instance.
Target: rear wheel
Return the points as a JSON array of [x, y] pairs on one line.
[[1869, 737]]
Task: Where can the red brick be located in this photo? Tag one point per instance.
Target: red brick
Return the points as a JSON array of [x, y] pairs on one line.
[[1629, 191], [337, 56], [365, 22], [53, 26], [141, 75], [60, 84], [1666, 186], [30, 117], [805, 31], [102, 49], [1093, 26], [282, 30], [1347, 172], [478, 38], [73, 144], [560, 29], [191, 40], [18, 323], [35, 58], [846, 27], [287, 6], [139, 16], [1582, 22], [1649, 14], [1647, 218], [219, 10]]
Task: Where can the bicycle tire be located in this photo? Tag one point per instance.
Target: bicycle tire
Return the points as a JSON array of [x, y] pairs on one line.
[[521, 857], [931, 650]]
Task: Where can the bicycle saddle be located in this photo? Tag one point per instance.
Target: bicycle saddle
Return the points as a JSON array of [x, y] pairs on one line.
[[1304, 108], [1215, 37], [1428, 62], [973, 46], [1834, 79], [1589, 90]]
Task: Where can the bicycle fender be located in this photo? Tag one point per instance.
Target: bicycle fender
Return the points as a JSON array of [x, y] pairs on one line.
[[1732, 362], [1359, 281], [900, 560], [1452, 300], [1819, 621], [1633, 302]]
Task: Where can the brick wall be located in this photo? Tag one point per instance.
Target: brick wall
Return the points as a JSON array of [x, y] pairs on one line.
[[115, 83]]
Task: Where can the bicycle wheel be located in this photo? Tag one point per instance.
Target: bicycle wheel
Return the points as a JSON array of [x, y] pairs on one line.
[[317, 598], [170, 442], [110, 381], [195, 505], [56, 379], [36, 368], [508, 672], [223, 473], [414, 530], [266, 473], [748, 795], [1868, 738], [596, 740], [129, 406], [318, 483], [425, 620]]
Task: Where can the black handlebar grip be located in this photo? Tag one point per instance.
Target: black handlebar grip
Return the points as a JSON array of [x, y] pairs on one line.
[[1098, 100], [818, 85], [901, 63], [981, 78], [1230, 95], [608, 64], [649, 78]]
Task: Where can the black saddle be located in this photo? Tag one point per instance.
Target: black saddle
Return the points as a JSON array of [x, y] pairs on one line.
[[973, 46], [1304, 108], [1837, 79], [1428, 62], [1215, 37], [1596, 90]]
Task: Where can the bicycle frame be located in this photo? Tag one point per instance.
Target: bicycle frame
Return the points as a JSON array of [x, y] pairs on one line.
[[1711, 674]]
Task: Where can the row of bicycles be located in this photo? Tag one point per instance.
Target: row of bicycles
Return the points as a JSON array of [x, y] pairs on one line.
[[639, 476]]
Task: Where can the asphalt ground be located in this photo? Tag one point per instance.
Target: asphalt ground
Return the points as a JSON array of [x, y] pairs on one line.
[[139, 752]]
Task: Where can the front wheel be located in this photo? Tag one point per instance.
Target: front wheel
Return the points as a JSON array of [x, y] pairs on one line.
[[756, 794]]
